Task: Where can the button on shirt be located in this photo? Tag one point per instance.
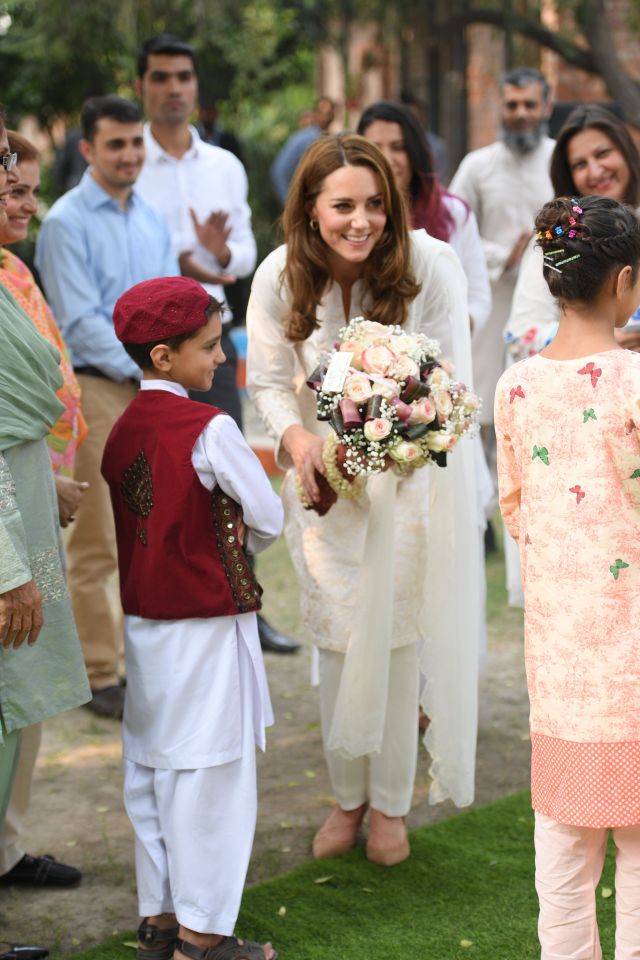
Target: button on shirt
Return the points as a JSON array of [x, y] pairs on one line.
[[89, 252], [207, 179]]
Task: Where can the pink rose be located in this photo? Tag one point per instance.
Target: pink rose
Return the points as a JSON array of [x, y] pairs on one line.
[[378, 359], [440, 442], [423, 411], [405, 367], [350, 346], [443, 403], [358, 387], [377, 429], [386, 387]]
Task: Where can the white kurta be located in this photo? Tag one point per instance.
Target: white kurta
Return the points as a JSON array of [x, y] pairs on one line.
[[183, 709], [435, 519], [467, 243], [505, 190]]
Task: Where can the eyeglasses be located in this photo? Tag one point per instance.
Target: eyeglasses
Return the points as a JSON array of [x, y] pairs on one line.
[[9, 161]]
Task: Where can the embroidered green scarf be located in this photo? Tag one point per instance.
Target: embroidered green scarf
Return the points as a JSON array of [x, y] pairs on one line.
[[29, 377]]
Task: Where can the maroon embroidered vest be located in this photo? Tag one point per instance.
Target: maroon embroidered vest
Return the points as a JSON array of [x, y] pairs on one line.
[[178, 549]]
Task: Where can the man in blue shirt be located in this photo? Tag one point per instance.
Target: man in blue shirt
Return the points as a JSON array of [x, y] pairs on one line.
[[97, 241], [284, 165]]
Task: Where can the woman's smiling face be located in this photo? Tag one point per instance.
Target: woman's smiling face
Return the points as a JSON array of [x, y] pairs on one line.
[[351, 213], [22, 202], [597, 165]]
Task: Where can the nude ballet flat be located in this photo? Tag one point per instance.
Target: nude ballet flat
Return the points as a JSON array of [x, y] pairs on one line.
[[387, 843], [339, 832]]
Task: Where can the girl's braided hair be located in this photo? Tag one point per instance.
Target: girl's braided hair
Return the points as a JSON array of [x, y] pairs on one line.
[[583, 242]]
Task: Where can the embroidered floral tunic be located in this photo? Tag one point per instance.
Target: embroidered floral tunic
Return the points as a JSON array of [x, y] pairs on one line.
[[568, 435]]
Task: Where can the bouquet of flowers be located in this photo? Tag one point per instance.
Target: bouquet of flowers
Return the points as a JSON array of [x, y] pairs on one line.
[[390, 402]]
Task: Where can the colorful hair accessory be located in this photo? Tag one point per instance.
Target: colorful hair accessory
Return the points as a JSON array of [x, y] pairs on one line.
[[576, 256], [558, 231], [572, 221], [548, 235], [571, 234], [576, 208], [553, 253]]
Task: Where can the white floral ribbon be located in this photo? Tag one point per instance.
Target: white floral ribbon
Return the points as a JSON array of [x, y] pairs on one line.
[[358, 724]]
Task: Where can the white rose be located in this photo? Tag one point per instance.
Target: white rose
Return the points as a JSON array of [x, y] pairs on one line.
[[377, 429], [440, 442], [358, 387], [386, 387], [350, 346], [405, 367], [405, 451], [443, 403], [439, 378]]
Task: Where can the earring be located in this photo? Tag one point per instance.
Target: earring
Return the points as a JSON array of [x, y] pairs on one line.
[[313, 223]]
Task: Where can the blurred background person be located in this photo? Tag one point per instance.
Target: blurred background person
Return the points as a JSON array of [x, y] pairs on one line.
[[285, 163]]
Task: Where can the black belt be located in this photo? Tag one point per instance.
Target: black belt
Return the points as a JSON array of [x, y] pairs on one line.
[[97, 372]]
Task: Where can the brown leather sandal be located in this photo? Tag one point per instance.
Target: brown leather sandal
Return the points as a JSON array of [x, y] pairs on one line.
[[150, 933], [229, 948]]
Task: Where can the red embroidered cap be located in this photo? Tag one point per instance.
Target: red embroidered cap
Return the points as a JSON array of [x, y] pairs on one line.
[[155, 309]]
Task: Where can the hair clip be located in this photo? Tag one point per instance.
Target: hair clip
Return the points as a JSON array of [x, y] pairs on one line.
[[572, 221], [550, 266], [558, 230], [576, 208], [553, 253], [571, 234], [548, 235], [576, 256]]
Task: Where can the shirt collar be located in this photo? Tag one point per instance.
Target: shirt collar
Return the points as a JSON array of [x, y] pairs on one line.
[[95, 196], [155, 153], [170, 386]]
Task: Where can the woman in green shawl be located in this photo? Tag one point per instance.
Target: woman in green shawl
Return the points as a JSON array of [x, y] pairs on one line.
[[45, 674]]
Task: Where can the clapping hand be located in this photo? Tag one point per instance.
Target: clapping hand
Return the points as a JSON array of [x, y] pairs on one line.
[[188, 268], [213, 234]]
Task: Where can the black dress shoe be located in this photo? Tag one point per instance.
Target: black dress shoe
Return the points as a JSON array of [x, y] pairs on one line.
[[272, 641], [13, 951], [108, 702], [41, 872]]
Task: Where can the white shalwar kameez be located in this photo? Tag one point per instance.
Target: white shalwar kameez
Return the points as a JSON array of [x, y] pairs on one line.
[[422, 580], [197, 705], [505, 190]]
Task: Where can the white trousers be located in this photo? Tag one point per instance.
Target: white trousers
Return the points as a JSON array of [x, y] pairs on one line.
[[11, 850], [386, 779], [194, 832], [569, 862]]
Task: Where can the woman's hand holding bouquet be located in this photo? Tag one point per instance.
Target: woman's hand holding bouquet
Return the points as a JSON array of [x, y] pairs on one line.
[[390, 402]]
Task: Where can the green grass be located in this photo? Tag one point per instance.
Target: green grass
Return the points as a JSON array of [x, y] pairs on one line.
[[466, 893]]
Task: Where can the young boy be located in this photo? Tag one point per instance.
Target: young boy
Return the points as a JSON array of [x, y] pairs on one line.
[[188, 496]]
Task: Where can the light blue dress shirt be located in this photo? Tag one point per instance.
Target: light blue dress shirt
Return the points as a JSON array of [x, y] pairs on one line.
[[89, 251], [284, 165]]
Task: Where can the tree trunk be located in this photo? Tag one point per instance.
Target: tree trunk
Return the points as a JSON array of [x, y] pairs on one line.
[[621, 86]]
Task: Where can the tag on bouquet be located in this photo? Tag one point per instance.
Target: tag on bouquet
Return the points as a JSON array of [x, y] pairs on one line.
[[337, 372]]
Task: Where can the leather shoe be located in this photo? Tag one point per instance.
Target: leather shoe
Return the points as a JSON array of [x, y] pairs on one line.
[[272, 641], [41, 872], [387, 843], [339, 832], [13, 951], [108, 702]]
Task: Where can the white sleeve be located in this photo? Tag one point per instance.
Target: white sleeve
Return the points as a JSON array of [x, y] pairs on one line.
[[222, 456], [464, 185], [271, 358], [466, 241], [534, 315]]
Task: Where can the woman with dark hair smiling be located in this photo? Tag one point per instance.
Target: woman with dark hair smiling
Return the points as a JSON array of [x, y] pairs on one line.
[[395, 130], [349, 253]]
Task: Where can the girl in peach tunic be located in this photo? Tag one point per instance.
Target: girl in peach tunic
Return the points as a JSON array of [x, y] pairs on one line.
[[568, 431]]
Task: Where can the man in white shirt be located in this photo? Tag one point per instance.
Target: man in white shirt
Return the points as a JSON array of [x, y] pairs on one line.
[[202, 191], [505, 184]]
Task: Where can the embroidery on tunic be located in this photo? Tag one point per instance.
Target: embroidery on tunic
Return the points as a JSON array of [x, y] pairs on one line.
[[8, 501], [245, 588], [137, 491], [47, 573], [616, 567], [541, 452]]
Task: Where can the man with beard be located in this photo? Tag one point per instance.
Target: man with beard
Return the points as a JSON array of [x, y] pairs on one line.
[[505, 184]]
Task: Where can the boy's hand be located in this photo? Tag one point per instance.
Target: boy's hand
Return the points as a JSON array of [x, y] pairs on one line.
[[20, 615]]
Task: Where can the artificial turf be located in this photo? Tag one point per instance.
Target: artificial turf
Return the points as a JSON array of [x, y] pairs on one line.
[[466, 893]]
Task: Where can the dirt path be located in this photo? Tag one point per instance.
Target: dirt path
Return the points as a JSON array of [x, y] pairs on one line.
[[77, 815]]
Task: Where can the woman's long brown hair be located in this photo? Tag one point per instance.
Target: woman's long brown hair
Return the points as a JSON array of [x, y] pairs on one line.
[[387, 270]]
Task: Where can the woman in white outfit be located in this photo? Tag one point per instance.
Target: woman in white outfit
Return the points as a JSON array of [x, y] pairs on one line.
[[397, 566], [594, 155]]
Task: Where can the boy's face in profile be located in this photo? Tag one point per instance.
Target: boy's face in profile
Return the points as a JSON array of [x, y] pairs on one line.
[[194, 362]]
